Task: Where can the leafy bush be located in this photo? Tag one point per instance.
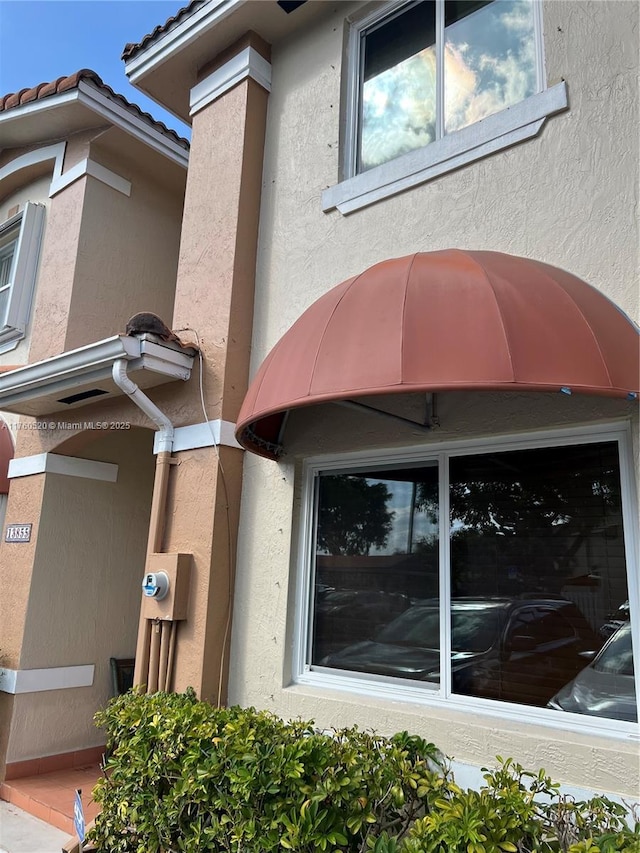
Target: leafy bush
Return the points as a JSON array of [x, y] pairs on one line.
[[520, 812], [185, 777]]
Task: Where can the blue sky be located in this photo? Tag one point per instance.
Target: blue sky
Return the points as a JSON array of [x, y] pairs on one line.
[[41, 40]]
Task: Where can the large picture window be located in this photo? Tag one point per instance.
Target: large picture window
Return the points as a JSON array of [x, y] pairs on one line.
[[498, 575]]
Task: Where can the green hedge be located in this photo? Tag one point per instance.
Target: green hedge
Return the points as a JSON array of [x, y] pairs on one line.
[[185, 776]]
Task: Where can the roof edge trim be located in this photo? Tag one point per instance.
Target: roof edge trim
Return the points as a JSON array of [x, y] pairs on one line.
[[91, 97], [38, 106], [101, 104], [174, 40]]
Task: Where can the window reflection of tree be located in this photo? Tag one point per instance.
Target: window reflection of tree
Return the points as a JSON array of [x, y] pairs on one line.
[[353, 516], [528, 520]]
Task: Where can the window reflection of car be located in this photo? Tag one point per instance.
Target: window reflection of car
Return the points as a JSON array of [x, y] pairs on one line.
[[516, 650], [343, 616], [616, 621], [604, 688]]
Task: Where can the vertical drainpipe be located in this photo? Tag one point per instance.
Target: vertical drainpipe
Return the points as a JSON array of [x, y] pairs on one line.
[[156, 641]]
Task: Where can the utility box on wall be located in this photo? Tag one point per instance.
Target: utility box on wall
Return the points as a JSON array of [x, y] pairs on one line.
[[174, 605]]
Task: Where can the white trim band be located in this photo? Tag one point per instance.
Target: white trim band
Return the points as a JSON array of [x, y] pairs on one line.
[[53, 678], [205, 434], [247, 63], [70, 466], [53, 152], [95, 170]]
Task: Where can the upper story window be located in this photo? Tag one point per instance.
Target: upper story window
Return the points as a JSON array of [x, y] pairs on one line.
[[20, 238], [435, 84], [8, 246], [432, 68]]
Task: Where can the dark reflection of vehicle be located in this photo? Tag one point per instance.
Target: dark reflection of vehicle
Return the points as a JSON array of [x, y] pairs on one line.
[[606, 687], [516, 650], [616, 621], [343, 616]]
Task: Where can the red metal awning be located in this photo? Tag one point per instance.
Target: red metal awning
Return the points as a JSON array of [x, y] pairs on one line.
[[6, 455], [444, 321]]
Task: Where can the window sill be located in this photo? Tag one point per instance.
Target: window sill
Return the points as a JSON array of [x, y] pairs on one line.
[[494, 133], [359, 686], [10, 338]]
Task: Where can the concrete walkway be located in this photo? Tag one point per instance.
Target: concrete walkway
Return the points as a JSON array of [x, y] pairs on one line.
[[22, 833]]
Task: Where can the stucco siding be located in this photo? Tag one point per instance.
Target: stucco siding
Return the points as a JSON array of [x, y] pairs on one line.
[[85, 593], [568, 198]]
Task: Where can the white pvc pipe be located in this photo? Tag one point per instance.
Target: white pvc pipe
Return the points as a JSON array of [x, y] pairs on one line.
[[164, 441]]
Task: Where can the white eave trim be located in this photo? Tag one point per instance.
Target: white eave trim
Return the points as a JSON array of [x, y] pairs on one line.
[[117, 114], [122, 117], [178, 37], [247, 63]]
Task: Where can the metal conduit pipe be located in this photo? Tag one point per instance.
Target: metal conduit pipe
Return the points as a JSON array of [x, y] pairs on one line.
[[156, 644], [154, 659], [163, 665]]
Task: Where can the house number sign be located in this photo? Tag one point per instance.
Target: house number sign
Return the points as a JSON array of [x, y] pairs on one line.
[[18, 533]]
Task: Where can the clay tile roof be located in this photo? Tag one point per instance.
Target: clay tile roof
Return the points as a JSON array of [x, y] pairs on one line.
[[132, 48], [66, 84]]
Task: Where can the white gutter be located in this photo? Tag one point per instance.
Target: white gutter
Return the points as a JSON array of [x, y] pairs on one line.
[[35, 389], [164, 437]]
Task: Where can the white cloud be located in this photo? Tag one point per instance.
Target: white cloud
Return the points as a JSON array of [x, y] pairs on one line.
[[489, 65]]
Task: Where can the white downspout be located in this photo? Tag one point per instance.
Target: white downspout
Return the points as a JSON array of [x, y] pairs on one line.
[[165, 427]]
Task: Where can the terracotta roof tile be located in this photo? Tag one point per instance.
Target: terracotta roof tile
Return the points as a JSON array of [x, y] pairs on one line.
[[132, 48], [66, 84]]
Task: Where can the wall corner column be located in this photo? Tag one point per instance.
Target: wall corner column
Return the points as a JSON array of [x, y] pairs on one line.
[[214, 297]]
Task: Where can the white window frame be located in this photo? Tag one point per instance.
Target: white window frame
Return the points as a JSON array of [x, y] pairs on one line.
[[517, 123], [398, 689], [23, 272]]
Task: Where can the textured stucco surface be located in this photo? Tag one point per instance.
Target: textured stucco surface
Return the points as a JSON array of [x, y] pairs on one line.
[[127, 256], [567, 197], [72, 595], [85, 592]]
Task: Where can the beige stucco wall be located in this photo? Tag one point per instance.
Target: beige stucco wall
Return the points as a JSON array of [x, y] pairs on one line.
[[568, 198], [85, 592], [127, 256], [106, 256]]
